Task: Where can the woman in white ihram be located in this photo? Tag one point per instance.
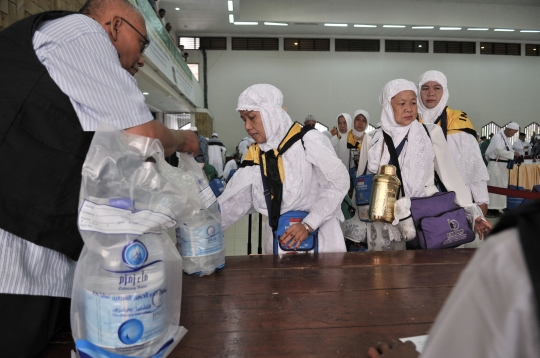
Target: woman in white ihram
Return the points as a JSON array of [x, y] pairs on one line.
[[339, 139], [420, 157], [315, 180], [461, 137]]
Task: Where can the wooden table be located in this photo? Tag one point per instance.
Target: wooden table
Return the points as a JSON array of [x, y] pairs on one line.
[[310, 306]]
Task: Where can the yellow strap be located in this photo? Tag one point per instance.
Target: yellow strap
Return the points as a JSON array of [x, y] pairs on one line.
[[456, 120], [352, 141]]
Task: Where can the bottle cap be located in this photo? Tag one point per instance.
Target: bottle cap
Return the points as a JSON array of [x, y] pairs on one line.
[[388, 169]]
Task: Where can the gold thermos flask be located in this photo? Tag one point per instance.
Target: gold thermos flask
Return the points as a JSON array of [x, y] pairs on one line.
[[384, 193]]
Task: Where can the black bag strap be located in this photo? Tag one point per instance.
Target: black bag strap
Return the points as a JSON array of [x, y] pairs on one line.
[[438, 181], [394, 156], [444, 123], [265, 187]]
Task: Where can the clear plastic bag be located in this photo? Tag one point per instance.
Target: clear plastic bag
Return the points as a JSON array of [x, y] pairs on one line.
[[128, 282], [200, 238]]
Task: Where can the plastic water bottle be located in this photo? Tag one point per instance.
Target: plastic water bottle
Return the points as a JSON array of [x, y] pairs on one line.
[[124, 302]]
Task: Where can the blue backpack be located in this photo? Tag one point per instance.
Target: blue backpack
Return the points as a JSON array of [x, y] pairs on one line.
[[311, 243]]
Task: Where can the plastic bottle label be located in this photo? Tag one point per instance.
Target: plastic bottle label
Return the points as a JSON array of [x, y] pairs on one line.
[[208, 197], [200, 241], [124, 322]]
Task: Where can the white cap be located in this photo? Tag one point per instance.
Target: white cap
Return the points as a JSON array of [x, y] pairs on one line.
[[214, 134], [513, 125], [193, 129]]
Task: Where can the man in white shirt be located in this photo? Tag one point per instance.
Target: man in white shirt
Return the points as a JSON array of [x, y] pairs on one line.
[[498, 154], [88, 61], [520, 145]]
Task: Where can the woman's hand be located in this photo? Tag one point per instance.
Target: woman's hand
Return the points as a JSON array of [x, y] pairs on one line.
[[333, 131], [482, 227], [294, 236]]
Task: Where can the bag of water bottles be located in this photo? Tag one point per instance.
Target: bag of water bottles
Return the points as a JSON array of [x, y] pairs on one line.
[[200, 237], [127, 288]]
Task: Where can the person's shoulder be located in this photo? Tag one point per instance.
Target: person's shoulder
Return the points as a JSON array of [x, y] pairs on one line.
[[458, 118], [72, 26]]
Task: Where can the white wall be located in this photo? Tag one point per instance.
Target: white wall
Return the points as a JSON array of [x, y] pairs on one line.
[[487, 88]]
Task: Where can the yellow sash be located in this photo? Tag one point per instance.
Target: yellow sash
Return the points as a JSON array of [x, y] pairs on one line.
[[352, 142], [456, 121]]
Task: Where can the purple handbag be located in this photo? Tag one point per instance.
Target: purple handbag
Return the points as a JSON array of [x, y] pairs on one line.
[[440, 224]]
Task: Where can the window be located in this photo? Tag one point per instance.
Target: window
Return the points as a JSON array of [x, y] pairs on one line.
[[406, 46], [177, 120], [530, 130], [489, 128], [454, 47], [320, 127], [189, 43], [357, 45], [532, 50], [213, 43], [194, 67], [370, 128], [255, 43], [497, 48], [292, 44]]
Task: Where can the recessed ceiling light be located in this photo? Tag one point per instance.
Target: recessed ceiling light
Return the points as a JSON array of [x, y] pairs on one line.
[[423, 27], [449, 28], [509, 30], [336, 25], [231, 18], [535, 31], [395, 26], [477, 28], [361, 25], [177, 8], [276, 24], [230, 5], [246, 23], [145, 93]]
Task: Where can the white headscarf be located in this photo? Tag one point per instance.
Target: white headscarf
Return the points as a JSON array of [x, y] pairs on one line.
[[268, 101], [430, 115], [388, 122], [347, 120], [415, 159], [340, 145], [365, 114]]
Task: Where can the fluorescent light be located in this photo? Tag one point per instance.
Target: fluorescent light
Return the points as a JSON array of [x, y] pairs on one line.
[[535, 31], [422, 27], [230, 4], [477, 28], [395, 26], [276, 23], [509, 30], [145, 93], [360, 25], [177, 8], [246, 23], [449, 28], [336, 25], [231, 18]]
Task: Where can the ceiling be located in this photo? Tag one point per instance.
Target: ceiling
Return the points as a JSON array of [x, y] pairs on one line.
[[307, 18]]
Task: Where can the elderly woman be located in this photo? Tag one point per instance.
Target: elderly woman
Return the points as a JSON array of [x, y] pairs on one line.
[[458, 131], [421, 155], [311, 177], [358, 142], [339, 139]]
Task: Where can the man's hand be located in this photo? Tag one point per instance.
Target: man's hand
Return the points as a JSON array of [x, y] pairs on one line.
[[516, 154], [482, 227], [294, 236], [396, 349], [189, 142]]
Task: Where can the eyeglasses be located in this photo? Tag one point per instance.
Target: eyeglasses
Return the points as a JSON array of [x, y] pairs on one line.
[[146, 40]]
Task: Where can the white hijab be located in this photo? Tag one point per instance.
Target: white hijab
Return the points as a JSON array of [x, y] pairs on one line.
[[340, 145], [416, 159], [268, 101], [356, 133], [349, 124], [430, 115]]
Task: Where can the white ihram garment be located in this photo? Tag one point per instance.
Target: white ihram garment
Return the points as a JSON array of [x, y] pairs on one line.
[[339, 142], [315, 179], [216, 154], [498, 174], [463, 146], [491, 310]]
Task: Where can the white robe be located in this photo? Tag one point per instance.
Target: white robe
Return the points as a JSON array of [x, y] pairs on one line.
[[491, 311], [498, 174], [231, 164], [340, 144], [315, 181], [216, 156]]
